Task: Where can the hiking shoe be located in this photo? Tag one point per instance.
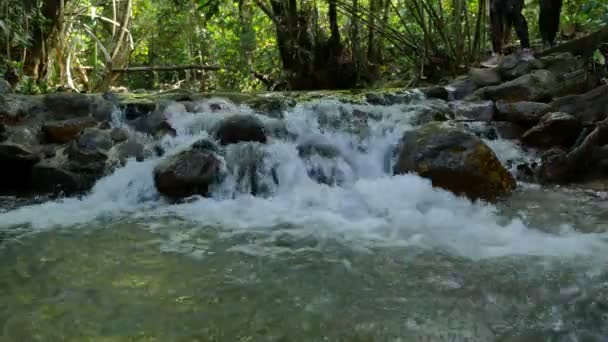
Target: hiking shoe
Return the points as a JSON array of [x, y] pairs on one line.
[[492, 62], [526, 55]]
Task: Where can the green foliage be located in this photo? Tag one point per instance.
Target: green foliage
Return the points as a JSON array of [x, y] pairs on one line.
[[240, 36]]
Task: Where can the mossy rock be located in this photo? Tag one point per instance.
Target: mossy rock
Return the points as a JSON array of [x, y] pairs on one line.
[[455, 161]]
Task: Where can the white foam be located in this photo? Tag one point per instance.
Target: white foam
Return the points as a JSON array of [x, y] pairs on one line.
[[373, 208]]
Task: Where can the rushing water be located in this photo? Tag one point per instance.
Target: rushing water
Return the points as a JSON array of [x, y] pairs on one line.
[[369, 257]]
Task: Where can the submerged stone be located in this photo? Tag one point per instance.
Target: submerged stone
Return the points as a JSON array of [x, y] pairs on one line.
[[455, 161], [188, 173], [240, 128]]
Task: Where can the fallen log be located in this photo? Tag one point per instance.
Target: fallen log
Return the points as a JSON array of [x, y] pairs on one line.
[[584, 46], [159, 68]]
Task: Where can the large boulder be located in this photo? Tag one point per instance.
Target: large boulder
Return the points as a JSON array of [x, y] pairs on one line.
[[240, 128], [64, 131], [14, 109], [461, 88], [154, 123], [483, 77], [538, 86], [562, 63], [512, 67], [189, 173], [523, 112], [454, 160], [588, 107], [49, 177], [554, 129]]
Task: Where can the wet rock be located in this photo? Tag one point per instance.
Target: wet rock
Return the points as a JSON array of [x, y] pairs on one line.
[[154, 124], [310, 148], [130, 149], [436, 92], [119, 135], [588, 107], [431, 111], [454, 160], [389, 99], [188, 173], [134, 110], [95, 139], [483, 77], [50, 178], [240, 128], [523, 112], [102, 109], [525, 172], [5, 87], [17, 162], [271, 106], [553, 167], [473, 110], [64, 131], [509, 130], [461, 88], [512, 67], [554, 129], [574, 83], [538, 86]]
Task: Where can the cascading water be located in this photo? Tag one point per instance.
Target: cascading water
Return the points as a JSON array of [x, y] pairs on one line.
[[331, 245]]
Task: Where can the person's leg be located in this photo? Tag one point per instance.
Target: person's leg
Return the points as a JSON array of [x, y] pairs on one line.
[[515, 9], [497, 25], [497, 22]]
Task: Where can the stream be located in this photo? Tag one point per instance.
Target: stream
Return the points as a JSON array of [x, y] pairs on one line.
[[367, 257]]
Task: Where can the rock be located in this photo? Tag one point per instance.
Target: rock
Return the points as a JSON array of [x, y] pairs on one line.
[[311, 147], [17, 162], [455, 161], [130, 149], [429, 111], [95, 139], [134, 110], [461, 88], [523, 112], [512, 67], [552, 168], [119, 135], [188, 173], [525, 172], [574, 83], [588, 108], [102, 109], [240, 128], [476, 110], [436, 92], [61, 132], [5, 87], [271, 106], [554, 129], [14, 109], [562, 63], [483, 77], [508, 130], [62, 106], [538, 86], [389, 99], [49, 178], [154, 124]]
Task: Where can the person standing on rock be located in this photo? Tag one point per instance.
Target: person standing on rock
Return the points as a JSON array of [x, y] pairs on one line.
[[504, 14]]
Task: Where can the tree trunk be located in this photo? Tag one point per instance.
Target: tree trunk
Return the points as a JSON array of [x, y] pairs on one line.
[[42, 37]]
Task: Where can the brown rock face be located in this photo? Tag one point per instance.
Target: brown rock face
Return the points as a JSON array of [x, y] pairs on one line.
[[554, 129]]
